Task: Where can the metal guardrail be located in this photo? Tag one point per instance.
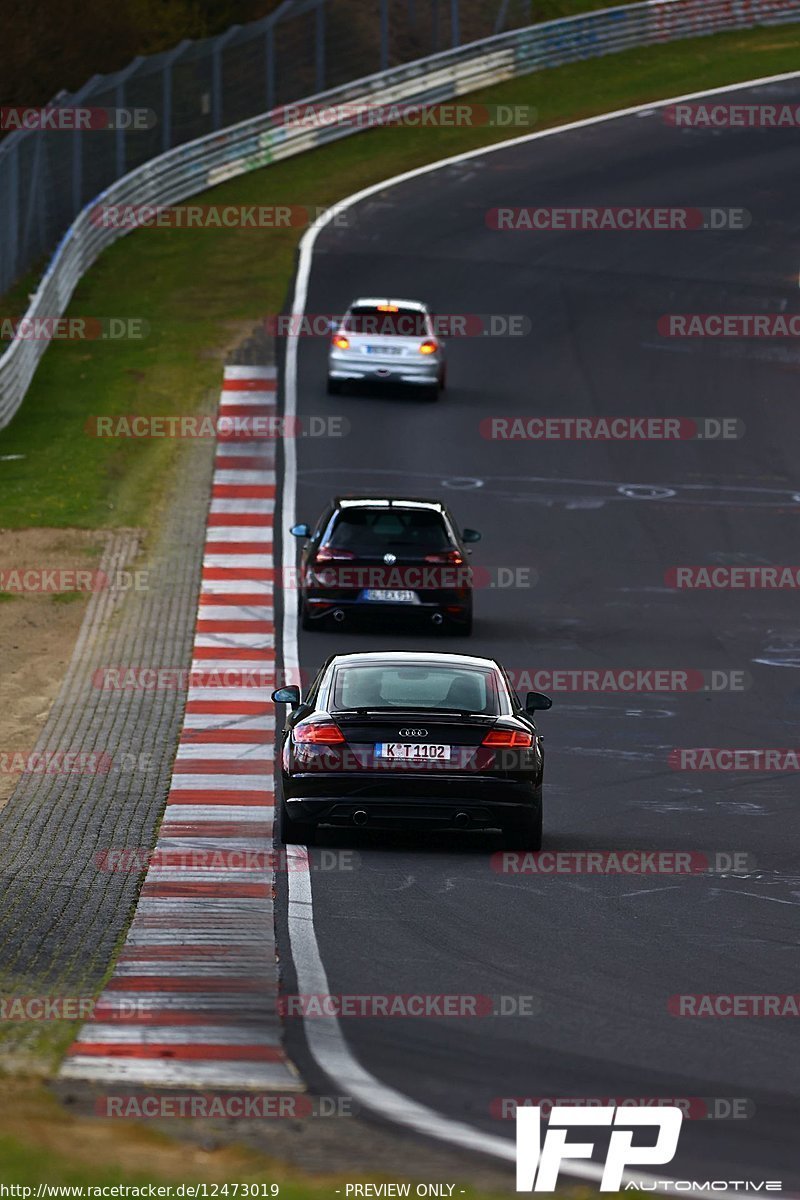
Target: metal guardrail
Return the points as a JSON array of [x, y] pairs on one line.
[[200, 164]]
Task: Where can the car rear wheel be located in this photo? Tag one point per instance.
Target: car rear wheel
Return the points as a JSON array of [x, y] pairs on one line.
[[296, 833], [305, 620], [525, 833], [334, 387], [431, 393]]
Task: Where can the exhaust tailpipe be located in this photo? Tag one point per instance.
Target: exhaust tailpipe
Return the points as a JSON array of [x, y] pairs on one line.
[[338, 614], [461, 820], [360, 817], [437, 618]]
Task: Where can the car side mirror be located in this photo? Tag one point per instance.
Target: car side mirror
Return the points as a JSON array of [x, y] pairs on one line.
[[470, 535], [534, 701], [300, 531], [287, 695]]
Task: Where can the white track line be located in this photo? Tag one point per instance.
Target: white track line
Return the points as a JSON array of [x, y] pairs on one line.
[[325, 1038]]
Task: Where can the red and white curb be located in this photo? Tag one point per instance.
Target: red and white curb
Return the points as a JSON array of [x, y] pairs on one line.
[[193, 997]]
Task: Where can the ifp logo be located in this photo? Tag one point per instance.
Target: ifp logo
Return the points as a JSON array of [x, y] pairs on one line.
[[538, 1163]]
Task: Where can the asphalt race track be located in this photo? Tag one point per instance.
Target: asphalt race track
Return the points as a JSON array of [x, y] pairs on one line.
[[602, 955]]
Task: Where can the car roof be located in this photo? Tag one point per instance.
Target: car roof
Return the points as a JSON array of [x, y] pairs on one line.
[[374, 301], [433, 657], [387, 502]]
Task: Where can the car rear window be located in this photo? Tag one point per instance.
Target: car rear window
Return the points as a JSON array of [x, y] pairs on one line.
[[394, 685], [405, 322], [383, 529]]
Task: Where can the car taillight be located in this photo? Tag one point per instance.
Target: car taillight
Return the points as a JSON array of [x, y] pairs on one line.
[[507, 737], [429, 346], [331, 554], [341, 342], [445, 556], [318, 733]]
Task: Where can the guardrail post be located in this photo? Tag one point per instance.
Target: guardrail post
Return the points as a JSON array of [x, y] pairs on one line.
[[384, 34], [455, 25], [216, 75], [269, 67], [166, 94], [77, 142], [12, 228], [319, 52], [270, 87], [77, 170], [500, 19], [119, 100], [35, 193]]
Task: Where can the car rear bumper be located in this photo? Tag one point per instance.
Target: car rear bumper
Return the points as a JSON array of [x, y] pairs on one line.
[[486, 802], [423, 373], [426, 611]]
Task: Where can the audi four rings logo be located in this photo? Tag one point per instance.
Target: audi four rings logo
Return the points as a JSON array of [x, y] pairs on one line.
[[412, 732]]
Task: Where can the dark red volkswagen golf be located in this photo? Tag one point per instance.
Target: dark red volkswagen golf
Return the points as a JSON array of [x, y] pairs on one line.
[[392, 556]]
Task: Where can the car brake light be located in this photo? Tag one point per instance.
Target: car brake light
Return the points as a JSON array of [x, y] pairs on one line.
[[429, 346], [331, 554], [318, 733], [388, 308], [341, 342], [507, 737], [445, 556]]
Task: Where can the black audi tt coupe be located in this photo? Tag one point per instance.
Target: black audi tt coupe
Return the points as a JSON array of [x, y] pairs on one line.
[[405, 740]]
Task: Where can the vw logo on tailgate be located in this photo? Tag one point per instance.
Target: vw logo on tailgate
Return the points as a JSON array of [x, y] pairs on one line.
[[412, 732]]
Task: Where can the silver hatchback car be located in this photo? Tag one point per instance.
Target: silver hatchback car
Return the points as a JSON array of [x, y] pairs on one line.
[[387, 341]]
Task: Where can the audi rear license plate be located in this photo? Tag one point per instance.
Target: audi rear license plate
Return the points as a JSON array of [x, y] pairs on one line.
[[406, 752], [391, 595]]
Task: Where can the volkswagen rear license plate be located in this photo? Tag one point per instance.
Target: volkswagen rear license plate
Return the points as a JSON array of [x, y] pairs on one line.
[[405, 752], [391, 595]]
